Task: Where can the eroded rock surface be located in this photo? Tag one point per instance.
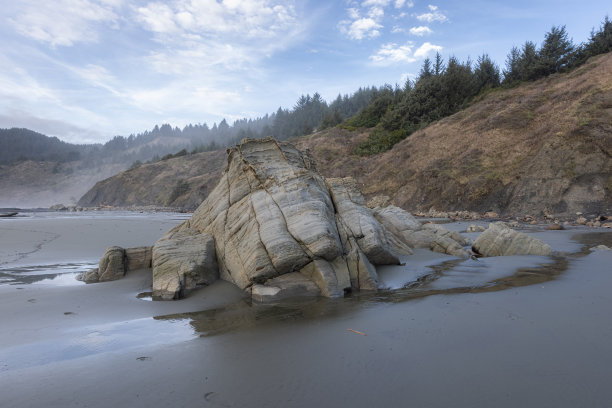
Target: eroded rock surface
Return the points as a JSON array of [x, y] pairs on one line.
[[501, 240], [409, 231], [272, 214], [181, 262]]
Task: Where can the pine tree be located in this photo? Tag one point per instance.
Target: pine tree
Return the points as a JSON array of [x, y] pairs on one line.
[[486, 72], [556, 52]]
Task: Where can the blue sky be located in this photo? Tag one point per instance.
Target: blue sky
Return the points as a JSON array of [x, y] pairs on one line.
[[87, 70]]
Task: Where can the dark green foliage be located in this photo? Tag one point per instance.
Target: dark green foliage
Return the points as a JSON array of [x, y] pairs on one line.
[[371, 115], [487, 73], [600, 41], [181, 187], [23, 144], [379, 141], [555, 54]]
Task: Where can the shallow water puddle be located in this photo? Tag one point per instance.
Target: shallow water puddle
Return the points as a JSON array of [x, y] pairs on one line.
[[426, 276], [97, 339], [56, 275]]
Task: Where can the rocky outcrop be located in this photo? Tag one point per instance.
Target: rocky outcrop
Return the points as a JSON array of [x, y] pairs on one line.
[[272, 214], [281, 230], [501, 240], [181, 262], [411, 232]]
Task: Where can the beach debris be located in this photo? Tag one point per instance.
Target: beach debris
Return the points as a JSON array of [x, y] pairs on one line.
[[356, 331]]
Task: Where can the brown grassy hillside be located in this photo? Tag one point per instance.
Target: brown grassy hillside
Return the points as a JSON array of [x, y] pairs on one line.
[[156, 183], [543, 147]]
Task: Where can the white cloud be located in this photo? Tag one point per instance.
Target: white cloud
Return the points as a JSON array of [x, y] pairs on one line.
[[64, 22], [367, 19], [255, 19], [420, 31], [425, 49], [401, 3], [375, 3], [433, 15], [362, 28], [393, 53]]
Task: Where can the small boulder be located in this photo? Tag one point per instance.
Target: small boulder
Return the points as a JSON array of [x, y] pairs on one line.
[[555, 227], [181, 262], [581, 221], [501, 240], [475, 228], [91, 276], [112, 265]]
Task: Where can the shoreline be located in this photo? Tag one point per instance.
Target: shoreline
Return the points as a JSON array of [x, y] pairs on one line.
[[440, 336]]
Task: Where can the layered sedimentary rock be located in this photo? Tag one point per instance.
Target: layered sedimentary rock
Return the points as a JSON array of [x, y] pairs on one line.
[[411, 232], [281, 230], [115, 263], [500, 240], [181, 262]]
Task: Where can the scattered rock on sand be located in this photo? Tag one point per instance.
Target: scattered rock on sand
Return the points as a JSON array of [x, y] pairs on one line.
[[500, 240], [475, 228], [581, 221]]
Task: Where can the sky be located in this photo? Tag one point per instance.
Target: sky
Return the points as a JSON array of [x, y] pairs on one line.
[[88, 70]]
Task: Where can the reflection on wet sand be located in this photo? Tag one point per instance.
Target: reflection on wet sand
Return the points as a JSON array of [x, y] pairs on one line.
[[244, 314]]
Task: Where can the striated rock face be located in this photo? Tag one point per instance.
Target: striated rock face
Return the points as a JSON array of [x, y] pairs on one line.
[[138, 258], [500, 240], [181, 262], [272, 214], [275, 228], [112, 266], [411, 232], [280, 230]]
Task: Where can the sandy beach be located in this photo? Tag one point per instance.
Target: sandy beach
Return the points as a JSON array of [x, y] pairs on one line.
[[497, 332]]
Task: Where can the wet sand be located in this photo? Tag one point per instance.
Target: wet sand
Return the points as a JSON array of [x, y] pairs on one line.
[[502, 332]]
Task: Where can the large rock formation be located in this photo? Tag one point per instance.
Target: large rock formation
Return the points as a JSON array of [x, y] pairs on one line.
[[279, 228]]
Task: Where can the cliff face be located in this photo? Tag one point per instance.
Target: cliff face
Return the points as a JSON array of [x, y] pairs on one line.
[[179, 182], [543, 147]]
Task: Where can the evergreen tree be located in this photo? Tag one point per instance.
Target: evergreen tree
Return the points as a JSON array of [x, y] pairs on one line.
[[528, 62], [556, 52], [487, 73], [512, 73]]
